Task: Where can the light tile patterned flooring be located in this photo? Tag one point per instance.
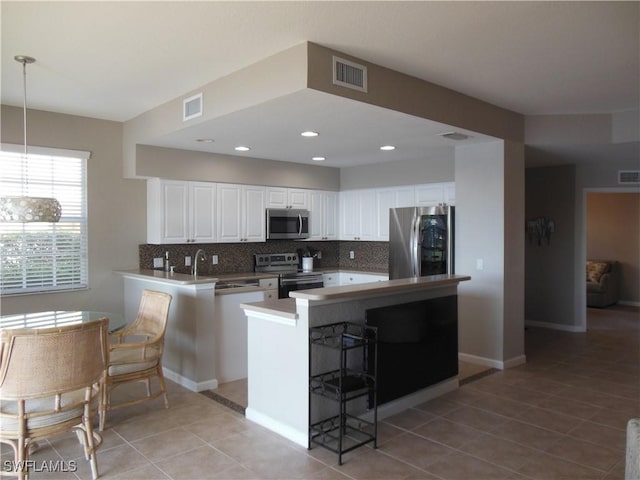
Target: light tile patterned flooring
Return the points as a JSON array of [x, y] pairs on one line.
[[560, 416]]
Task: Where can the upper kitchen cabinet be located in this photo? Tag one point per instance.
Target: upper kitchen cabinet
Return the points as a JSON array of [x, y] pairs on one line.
[[180, 212], [433, 194], [323, 208], [387, 198], [241, 213], [358, 215], [287, 198]]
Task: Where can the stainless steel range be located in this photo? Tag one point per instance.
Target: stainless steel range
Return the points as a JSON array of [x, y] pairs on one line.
[[287, 266]]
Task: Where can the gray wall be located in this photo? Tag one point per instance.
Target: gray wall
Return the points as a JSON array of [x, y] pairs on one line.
[[437, 165], [613, 232], [207, 167], [550, 193], [117, 207]]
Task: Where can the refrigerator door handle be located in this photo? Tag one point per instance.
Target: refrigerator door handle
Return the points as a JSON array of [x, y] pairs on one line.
[[415, 246]]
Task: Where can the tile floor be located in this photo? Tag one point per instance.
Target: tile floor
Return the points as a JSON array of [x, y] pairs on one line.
[[560, 416]]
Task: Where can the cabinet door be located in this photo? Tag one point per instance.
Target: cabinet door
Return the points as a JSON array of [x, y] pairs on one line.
[[387, 198], [349, 215], [450, 193], [175, 212], [277, 197], [429, 195], [330, 216], [330, 279], [298, 198], [229, 212], [202, 200], [368, 215], [253, 211], [316, 212]]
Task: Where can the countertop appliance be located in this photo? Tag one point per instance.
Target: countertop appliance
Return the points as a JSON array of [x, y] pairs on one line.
[[421, 241], [287, 267], [289, 223]]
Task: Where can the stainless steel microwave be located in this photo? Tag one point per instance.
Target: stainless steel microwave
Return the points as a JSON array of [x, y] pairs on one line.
[[287, 223]]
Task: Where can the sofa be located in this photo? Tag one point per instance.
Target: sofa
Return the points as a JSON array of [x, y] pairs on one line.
[[603, 283]]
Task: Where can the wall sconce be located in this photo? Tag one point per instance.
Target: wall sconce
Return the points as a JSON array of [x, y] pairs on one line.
[[540, 228]]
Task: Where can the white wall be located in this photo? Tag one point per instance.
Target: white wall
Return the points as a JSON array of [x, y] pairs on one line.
[[116, 207], [491, 324]]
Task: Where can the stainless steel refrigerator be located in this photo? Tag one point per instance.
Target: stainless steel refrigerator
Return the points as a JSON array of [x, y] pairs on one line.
[[421, 241]]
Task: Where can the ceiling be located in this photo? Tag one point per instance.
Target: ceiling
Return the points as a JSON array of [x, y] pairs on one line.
[[116, 60]]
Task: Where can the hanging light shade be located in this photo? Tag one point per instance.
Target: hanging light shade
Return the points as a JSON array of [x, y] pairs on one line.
[[29, 209], [25, 209]]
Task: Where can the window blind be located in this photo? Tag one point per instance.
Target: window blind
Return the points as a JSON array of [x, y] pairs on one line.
[[42, 257]]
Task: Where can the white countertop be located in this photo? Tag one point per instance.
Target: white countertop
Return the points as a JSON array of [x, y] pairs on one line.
[[286, 307], [382, 287], [187, 279]]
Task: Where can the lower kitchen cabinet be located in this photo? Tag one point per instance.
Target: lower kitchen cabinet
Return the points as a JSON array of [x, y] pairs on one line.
[[230, 334]]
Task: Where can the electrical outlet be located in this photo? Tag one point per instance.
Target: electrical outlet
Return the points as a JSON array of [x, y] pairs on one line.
[[187, 261], [214, 259], [158, 262], [352, 254], [319, 255], [479, 264]]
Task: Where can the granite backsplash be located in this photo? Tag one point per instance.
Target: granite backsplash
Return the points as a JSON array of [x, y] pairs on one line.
[[238, 257]]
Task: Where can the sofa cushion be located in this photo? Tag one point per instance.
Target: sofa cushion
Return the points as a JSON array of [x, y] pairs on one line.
[[595, 270]]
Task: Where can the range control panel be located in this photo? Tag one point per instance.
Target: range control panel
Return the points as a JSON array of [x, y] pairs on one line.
[[265, 260]]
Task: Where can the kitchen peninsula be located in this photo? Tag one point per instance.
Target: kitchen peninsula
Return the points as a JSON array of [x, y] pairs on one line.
[[278, 345]]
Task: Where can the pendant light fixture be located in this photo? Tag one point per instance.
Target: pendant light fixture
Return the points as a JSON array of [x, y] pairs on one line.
[[25, 209]]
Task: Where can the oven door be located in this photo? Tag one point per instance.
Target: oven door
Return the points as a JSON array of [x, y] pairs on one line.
[[298, 283]]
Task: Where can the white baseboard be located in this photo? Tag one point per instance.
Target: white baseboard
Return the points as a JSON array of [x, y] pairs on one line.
[[190, 384], [288, 432], [629, 303], [490, 362], [555, 326]]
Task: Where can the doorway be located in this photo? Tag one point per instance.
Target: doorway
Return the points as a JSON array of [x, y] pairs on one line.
[[611, 232]]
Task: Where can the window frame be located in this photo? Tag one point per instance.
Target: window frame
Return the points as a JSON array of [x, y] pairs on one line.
[[74, 225]]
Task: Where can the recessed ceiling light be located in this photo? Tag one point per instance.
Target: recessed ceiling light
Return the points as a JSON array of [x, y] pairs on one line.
[[205, 140], [318, 159], [242, 148], [309, 133], [387, 148]]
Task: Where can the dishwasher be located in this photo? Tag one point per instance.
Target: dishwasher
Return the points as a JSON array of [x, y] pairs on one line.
[[230, 324]]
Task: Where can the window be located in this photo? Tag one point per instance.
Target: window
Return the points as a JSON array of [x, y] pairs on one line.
[[44, 257]]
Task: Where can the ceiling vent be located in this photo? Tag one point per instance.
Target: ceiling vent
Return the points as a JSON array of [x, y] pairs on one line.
[[192, 107], [454, 135], [349, 74], [629, 177]]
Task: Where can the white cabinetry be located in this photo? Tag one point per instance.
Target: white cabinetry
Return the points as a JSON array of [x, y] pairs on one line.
[[323, 208], [287, 198], [241, 215], [358, 215], [350, 278], [433, 194], [180, 212], [387, 198]]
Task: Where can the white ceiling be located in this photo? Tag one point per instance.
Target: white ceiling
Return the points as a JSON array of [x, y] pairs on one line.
[[116, 60]]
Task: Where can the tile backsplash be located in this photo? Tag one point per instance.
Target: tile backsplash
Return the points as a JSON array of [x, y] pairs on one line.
[[238, 257]]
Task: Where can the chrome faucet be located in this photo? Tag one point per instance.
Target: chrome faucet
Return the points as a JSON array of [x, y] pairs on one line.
[[199, 255]]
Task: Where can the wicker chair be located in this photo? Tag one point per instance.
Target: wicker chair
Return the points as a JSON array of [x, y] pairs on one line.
[[135, 352], [50, 383]]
